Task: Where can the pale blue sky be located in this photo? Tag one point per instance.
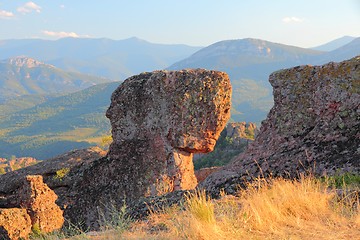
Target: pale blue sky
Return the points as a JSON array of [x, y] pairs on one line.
[[304, 23]]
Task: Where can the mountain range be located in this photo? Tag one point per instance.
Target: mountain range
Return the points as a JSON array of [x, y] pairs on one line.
[[332, 45], [24, 76], [114, 59], [50, 124]]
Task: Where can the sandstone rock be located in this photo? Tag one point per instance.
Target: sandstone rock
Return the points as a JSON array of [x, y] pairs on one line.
[[313, 127], [22, 162], [39, 201], [203, 173], [173, 114], [241, 132], [59, 173], [15, 223], [159, 120]]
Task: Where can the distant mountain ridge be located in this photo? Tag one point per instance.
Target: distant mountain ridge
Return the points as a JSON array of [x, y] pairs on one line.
[[24, 76], [342, 53], [332, 45], [114, 59]]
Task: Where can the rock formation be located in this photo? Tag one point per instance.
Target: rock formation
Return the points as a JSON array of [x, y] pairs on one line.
[[59, 173], [171, 115], [15, 224], [159, 120], [241, 132], [203, 173], [16, 163], [313, 127], [39, 201], [35, 208]]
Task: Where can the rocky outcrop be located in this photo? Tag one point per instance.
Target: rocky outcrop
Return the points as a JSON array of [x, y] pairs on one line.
[[16, 163], [39, 201], [60, 174], [159, 120], [35, 209], [313, 127], [171, 114], [241, 132], [203, 173], [15, 224], [56, 172]]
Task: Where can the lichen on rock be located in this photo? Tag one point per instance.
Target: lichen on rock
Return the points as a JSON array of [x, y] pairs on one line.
[[158, 119], [173, 113], [312, 128]]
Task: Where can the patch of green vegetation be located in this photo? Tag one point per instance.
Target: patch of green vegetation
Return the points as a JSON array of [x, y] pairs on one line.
[[115, 218], [224, 151], [61, 173], [58, 124], [36, 231], [343, 180]]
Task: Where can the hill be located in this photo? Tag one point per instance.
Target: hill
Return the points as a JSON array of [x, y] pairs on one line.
[[57, 125], [114, 59], [24, 76], [332, 45], [347, 51], [248, 62]]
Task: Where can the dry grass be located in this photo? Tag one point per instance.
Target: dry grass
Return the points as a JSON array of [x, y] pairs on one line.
[[275, 209], [279, 209]]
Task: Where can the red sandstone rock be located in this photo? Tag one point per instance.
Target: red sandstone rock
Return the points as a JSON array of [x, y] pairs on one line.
[[313, 127], [241, 132], [176, 113], [203, 173], [159, 119], [15, 224], [39, 201]]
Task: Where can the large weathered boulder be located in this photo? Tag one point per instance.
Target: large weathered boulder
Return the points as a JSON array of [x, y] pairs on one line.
[[314, 127], [159, 120], [173, 114], [15, 224], [39, 201]]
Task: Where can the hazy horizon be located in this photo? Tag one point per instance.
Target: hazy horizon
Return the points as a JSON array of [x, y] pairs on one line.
[[195, 23]]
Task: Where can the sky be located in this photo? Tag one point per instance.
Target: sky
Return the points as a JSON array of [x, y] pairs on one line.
[[303, 23]]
